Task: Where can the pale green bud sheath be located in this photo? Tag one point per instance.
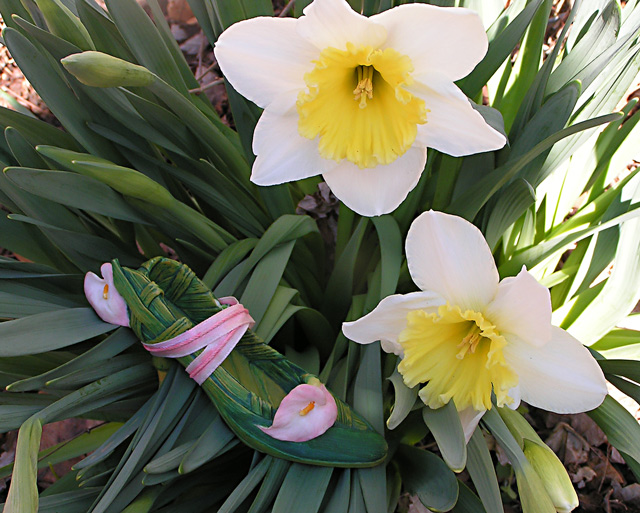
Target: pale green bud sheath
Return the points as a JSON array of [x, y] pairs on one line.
[[553, 475], [98, 69]]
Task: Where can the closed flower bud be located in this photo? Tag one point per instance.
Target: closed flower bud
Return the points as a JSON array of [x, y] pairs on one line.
[[553, 475], [98, 69]]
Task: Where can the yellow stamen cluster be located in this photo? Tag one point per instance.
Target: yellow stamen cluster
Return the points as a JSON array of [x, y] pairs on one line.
[[105, 291], [364, 88]]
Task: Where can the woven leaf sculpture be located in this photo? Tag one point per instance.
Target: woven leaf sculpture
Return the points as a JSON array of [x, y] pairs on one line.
[[165, 298]]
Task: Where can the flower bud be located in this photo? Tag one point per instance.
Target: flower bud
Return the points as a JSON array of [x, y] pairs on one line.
[[98, 69], [553, 475]]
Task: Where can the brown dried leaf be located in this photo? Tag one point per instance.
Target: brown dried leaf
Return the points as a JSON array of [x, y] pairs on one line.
[[586, 426], [179, 10], [583, 476]]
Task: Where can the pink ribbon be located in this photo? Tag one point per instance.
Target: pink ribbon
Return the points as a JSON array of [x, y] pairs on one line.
[[218, 335]]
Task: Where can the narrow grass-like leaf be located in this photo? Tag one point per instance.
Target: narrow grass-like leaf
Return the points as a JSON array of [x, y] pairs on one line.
[[110, 445], [161, 417], [211, 442], [303, 489], [87, 375], [145, 41], [532, 493], [55, 92], [23, 151], [470, 202], [36, 131], [29, 242], [340, 494], [246, 486], [103, 32], [516, 198], [622, 430], [124, 180], [23, 493], [503, 41], [482, 472], [601, 36], [227, 260], [390, 253], [264, 280], [49, 331], [405, 398], [82, 444], [74, 190], [108, 348], [340, 285], [444, 424], [272, 482], [284, 229], [367, 400], [527, 63], [64, 24], [534, 255], [468, 501]]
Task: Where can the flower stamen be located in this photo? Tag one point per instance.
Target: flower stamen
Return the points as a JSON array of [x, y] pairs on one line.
[[469, 342], [307, 408], [105, 291], [364, 89]]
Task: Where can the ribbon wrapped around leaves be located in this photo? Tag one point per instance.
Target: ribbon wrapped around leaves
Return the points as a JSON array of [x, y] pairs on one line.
[[175, 315], [216, 336]]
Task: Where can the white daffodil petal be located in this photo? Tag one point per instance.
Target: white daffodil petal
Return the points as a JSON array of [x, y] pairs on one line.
[[332, 23], [282, 153], [469, 418], [515, 394], [448, 255], [522, 307], [264, 58], [389, 318], [453, 126], [561, 376], [379, 190], [451, 40]]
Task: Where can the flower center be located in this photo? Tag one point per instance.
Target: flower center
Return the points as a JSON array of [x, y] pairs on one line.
[[459, 355], [364, 89], [307, 408], [351, 122], [105, 291]]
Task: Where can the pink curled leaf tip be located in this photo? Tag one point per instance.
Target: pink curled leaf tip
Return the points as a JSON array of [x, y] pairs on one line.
[[217, 336], [305, 413], [104, 298]]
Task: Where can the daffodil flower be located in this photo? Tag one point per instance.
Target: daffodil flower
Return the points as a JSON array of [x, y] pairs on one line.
[[467, 335], [305, 413], [104, 298], [358, 99]]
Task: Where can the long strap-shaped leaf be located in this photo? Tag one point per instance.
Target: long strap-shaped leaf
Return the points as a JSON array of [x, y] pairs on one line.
[[165, 298]]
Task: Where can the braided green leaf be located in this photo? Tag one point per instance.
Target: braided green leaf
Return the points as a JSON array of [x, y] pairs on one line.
[[165, 298]]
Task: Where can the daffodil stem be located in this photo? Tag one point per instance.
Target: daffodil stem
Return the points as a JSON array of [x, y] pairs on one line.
[[286, 8], [207, 86]]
